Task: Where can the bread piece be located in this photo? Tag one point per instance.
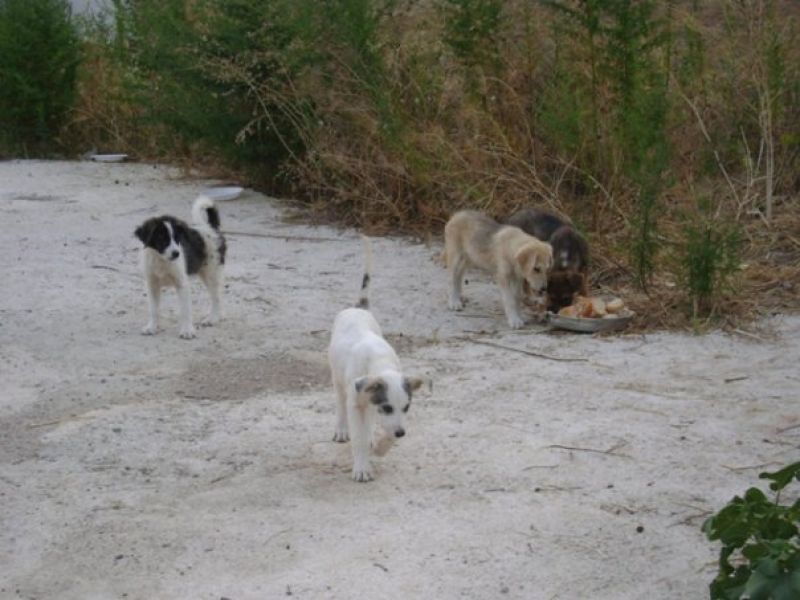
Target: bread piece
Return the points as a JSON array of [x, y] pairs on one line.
[[569, 311], [615, 305], [598, 307]]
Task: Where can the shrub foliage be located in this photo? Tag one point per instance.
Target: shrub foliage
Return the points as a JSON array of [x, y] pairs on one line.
[[392, 114], [39, 56], [760, 555]]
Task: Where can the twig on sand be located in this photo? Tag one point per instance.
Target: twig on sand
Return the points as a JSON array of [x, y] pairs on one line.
[[529, 467], [689, 519], [748, 467], [57, 422], [744, 333], [789, 428], [611, 451], [528, 352], [380, 566], [105, 267], [732, 379], [276, 534], [278, 236]]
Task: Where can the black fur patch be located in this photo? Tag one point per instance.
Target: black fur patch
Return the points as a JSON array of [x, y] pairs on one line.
[[155, 234], [562, 236], [379, 395], [222, 248], [376, 390], [363, 302], [213, 217]]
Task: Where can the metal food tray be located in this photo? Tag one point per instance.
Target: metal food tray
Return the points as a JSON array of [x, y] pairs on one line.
[[589, 325]]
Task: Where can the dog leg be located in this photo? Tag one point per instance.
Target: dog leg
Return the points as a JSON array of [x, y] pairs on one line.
[[153, 300], [359, 441], [509, 293], [213, 283], [341, 434], [186, 329], [457, 267]]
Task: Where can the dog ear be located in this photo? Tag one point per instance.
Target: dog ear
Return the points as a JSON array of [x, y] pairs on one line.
[[145, 231], [412, 384], [361, 383], [526, 257], [370, 385]]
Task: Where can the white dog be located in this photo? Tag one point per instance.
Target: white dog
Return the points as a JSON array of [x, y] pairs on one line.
[[511, 255], [368, 382], [173, 251]]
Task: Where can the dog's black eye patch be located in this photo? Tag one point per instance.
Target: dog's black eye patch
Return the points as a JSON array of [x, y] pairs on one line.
[[160, 238], [154, 234], [387, 409]]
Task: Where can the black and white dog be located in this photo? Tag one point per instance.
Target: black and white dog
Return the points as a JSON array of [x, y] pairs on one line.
[[172, 251]]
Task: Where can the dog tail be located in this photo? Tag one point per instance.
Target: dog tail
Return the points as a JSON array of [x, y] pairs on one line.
[[205, 213], [363, 298]]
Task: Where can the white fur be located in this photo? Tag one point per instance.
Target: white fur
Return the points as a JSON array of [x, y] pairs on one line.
[[360, 359], [160, 270]]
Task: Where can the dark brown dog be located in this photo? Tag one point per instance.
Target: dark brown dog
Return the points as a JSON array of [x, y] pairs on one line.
[[570, 254], [561, 288]]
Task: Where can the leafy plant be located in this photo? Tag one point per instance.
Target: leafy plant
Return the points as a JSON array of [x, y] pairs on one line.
[[710, 258], [39, 55], [760, 555], [471, 29]]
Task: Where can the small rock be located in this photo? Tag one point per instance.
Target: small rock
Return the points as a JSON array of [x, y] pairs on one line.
[[639, 529]]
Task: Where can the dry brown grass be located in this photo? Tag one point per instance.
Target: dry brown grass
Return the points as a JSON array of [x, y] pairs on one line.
[[437, 137]]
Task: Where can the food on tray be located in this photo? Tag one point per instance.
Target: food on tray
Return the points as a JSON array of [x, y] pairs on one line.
[[593, 308], [615, 305], [569, 311]]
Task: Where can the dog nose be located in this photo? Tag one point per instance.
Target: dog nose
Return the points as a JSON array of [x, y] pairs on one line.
[[400, 433], [175, 254]]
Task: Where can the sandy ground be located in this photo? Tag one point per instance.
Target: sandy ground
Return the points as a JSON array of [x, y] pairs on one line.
[[154, 467]]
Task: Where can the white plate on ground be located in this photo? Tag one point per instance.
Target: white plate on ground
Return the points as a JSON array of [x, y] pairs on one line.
[[220, 194], [590, 325], [108, 157]]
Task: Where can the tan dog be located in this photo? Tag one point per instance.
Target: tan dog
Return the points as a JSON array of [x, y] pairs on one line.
[[510, 254]]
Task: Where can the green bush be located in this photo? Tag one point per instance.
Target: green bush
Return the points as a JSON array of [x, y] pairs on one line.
[[760, 555], [710, 258], [39, 56], [201, 76], [471, 30]]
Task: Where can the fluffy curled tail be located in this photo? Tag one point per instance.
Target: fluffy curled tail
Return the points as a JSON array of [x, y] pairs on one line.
[[363, 298], [205, 213]]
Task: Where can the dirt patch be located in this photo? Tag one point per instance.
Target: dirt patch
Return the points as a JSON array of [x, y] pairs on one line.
[[540, 466], [242, 378]]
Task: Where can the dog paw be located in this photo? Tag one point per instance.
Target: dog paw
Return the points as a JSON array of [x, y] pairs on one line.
[[362, 475], [149, 329], [516, 322], [187, 333], [341, 436], [209, 321], [454, 304]]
